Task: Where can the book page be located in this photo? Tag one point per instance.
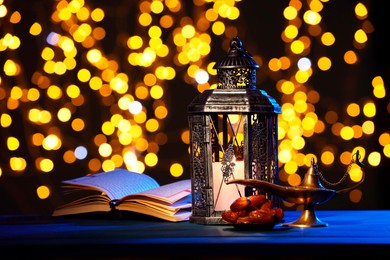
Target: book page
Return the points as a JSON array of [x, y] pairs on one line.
[[168, 193], [181, 215], [94, 203], [166, 208], [117, 183]]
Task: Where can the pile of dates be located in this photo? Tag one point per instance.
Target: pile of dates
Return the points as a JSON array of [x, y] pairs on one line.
[[255, 209]]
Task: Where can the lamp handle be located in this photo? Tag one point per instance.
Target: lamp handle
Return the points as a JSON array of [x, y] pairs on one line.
[[364, 170]]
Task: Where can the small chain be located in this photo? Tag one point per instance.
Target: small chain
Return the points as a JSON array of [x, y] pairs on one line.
[[335, 183], [342, 179]]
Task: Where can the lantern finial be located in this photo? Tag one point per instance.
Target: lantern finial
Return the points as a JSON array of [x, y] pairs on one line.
[[238, 69]]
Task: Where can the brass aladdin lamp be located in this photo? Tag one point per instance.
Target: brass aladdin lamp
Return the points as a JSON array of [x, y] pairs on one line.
[[309, 193]]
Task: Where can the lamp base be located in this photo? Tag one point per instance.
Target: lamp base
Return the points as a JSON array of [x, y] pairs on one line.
[[307, 219]]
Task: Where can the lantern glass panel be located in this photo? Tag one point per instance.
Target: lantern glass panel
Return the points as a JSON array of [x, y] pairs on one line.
[[227, 135]]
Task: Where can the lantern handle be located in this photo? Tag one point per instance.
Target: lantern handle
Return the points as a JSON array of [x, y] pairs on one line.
[[236, 46]]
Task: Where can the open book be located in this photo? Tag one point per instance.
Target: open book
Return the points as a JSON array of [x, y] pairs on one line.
[[125, 190]]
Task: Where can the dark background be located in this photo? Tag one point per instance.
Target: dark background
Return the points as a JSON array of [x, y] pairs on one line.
[[259, 26]]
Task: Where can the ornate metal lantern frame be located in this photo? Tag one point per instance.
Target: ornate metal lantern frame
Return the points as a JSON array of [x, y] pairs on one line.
[[233, 134]]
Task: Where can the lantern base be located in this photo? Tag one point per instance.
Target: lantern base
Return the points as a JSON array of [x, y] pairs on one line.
[[207, 220]]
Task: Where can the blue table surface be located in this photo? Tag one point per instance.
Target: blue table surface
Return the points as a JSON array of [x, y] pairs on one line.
[[349, 233]]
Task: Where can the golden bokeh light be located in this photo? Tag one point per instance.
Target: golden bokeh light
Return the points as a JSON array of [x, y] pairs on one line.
[[106, 107]]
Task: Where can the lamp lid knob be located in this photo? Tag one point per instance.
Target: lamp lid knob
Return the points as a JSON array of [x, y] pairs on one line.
[[311, 178]]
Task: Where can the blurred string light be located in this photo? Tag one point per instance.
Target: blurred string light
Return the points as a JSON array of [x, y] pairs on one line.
[[299, 121], [74, 72]]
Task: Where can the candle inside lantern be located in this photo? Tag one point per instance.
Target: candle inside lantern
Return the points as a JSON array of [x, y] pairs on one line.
[[225, 194]]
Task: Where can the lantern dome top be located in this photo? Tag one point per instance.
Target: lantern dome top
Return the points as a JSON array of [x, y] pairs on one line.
[[237, 57], [238, 69], [236, 91]]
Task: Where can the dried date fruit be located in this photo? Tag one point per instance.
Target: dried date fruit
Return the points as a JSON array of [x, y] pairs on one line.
[[243, 220], [256, 201], [229, 216], [261, 216], [243, 213], [242, 203], [267, 205], [279, 214], [254, 209]]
